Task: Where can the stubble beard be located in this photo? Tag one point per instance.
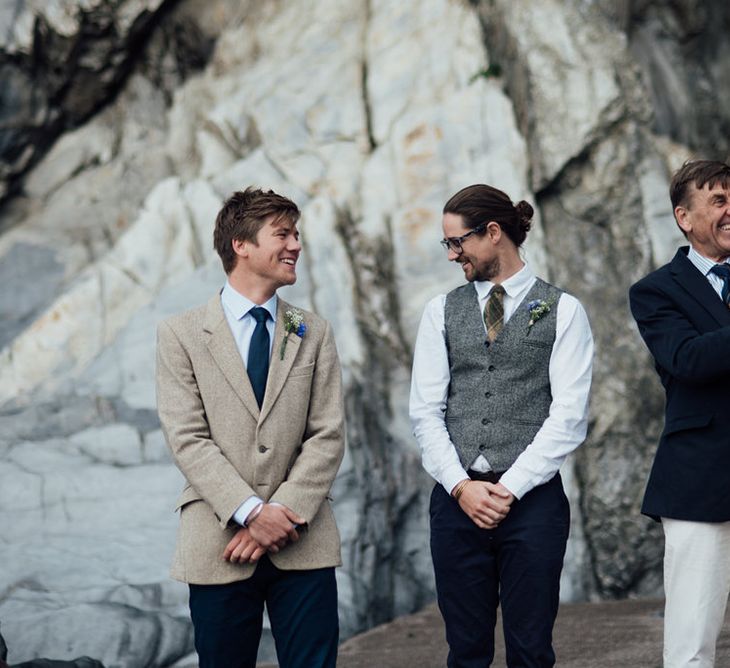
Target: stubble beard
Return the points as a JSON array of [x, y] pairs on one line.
[[486, 271]]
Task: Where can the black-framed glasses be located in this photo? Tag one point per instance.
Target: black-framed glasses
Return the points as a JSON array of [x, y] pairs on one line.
[[454, 243]]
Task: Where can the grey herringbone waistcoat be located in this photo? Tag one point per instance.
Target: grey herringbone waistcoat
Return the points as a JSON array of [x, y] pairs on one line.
[[499, 394]]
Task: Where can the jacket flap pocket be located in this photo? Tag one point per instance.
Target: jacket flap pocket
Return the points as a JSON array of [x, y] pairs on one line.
[[188, 494], [302, 370], [684, 422]]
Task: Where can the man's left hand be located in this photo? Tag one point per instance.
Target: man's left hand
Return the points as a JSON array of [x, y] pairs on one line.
[[505, 496], [274, 527], [500, 490], [243, 548]]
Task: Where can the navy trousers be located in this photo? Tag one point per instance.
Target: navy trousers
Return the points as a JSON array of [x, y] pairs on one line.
[[516, 565], [302, 607]]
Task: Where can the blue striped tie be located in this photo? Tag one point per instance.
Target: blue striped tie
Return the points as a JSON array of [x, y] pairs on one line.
[[723, 271]]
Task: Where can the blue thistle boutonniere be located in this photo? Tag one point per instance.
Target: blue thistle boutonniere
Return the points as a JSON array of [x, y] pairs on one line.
[[293, 324], [538, 308]]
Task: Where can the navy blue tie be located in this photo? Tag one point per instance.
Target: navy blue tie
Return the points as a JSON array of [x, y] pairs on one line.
[[258, 354], [723, 271]]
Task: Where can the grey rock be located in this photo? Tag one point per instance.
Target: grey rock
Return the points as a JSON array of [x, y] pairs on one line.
[[62, 61], [681, 48], [29, 275], [369, 117], [55, 75]]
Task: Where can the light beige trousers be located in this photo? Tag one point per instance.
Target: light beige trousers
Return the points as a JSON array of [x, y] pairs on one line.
[[696, 586]]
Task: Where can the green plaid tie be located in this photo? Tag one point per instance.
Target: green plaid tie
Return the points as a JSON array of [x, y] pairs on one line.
[[494, 312]]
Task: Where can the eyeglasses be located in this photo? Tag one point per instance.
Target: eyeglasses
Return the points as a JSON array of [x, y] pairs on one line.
[[455, 243]]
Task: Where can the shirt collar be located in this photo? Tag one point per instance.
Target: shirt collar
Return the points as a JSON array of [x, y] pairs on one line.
[[702, 263], [239, 306], [512, 286]]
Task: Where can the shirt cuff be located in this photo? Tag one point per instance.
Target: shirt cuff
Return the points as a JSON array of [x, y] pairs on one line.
[[516, 482], [451, 477], [244, 510]]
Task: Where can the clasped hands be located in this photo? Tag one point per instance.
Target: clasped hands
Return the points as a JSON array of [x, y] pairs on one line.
[[273, 528], [486, 503]]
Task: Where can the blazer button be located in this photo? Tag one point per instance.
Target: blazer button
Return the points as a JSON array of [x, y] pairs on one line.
[[262, 448]]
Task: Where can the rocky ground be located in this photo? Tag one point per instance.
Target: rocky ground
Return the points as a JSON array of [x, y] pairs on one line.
[[587, 635]]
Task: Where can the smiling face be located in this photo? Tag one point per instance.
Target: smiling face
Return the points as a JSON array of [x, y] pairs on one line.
[[705, 219], [478, 258], [270, 262]]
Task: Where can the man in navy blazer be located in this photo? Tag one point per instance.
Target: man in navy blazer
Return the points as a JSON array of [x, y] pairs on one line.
[[683, 313]]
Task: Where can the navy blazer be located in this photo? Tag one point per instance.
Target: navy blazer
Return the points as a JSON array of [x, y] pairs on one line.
[[686, 327]]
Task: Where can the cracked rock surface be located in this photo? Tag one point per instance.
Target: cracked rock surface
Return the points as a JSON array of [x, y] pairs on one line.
[[369, 115]]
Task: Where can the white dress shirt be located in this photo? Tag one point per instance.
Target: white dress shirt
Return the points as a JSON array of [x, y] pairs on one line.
[[705, 266], [237, 310], [570, 368]]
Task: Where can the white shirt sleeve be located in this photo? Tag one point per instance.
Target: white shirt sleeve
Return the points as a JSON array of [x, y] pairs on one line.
[[244, 510], [429, 392], [570, 370]]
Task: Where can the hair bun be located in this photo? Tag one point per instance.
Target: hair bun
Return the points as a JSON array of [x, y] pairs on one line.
[[524, 214]]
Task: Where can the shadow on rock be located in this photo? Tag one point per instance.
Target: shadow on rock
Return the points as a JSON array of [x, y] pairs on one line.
[[80, 662]]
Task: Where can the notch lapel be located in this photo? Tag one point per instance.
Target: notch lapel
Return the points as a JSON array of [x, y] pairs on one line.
[[279, 369], [698, 287], [223, 349]]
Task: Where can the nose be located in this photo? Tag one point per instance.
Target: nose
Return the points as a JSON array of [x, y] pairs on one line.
[[294, 244], [452, 255]]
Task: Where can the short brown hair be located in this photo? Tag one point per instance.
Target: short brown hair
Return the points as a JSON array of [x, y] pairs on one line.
[[241, 217], [698, 173], [481, 203]]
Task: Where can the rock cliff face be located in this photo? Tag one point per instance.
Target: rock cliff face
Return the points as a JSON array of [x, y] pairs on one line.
[[118, 146]]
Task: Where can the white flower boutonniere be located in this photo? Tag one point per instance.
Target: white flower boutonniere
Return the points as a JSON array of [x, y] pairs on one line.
[[538, 308], [293, 324]]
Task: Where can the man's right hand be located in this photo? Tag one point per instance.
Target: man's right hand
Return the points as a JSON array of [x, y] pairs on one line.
[[274, 526], [486, 508]]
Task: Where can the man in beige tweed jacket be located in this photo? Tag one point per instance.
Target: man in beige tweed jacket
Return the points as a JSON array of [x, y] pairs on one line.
[[256, 526]]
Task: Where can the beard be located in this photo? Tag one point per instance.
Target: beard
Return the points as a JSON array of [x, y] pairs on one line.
[[481, 271]]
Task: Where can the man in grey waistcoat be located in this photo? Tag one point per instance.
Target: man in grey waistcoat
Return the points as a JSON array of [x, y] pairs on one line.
[[499, 398]]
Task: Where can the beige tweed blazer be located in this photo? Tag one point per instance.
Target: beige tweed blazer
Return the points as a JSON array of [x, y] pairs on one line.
[[228, 449]]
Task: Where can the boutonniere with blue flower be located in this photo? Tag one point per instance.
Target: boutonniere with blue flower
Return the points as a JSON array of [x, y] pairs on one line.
[[293, 324], [538, 308]]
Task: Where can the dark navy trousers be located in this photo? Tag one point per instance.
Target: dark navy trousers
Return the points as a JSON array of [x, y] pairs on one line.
[[302, 607], [516, 565]]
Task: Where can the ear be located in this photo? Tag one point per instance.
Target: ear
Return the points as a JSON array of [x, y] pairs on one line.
[[240, 248], [494, 231], [681, 215]]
